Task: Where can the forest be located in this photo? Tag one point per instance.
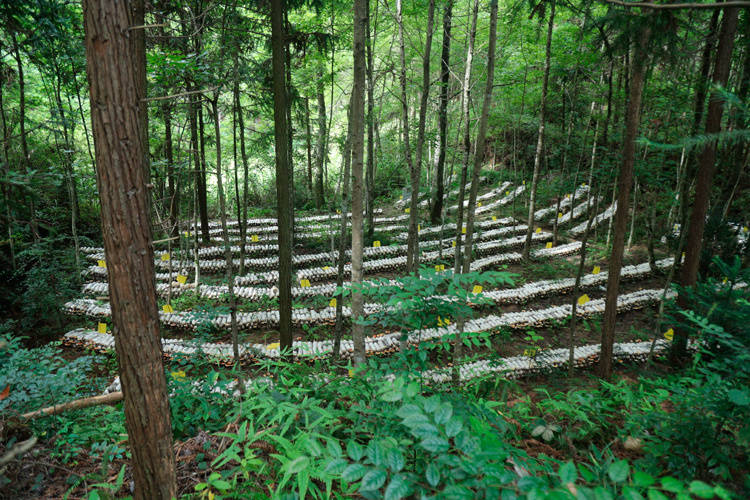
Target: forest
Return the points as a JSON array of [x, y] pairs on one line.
[[429, 249]]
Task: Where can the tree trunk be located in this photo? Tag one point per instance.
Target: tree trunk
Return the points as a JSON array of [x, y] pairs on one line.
[[540, 136], [281, 136], [199, 178], [246, 173], [227, 245], [321, 154], [308, 144], [203, 187], [706, 167], [358, 139], [171, 183], [625, 183], [466, 108], [437, 204], [116, 62], [412, 253], [370, 168]]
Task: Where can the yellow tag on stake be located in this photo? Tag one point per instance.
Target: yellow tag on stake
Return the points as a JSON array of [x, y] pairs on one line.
[[538, 230], [274, 345], [549, 244], [254, 238], [165, 256], [463, 230], [167, 308], [376, 244], [494, 217], [407, 210], [332, 303], [304, 283], [181, 279], [477, 289], [669, 334], [102, 263], [583, 299], [596, 270], [453, 243], [101, 328], [479, 204]]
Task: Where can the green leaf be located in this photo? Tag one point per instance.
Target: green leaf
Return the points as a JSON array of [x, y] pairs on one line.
[[701, 489], [654, 494], [395, 459], [618, 471], [297, 464], [453, 427], [435, 444], [630, 493], [739, 397], [376, 452], [671, 484], [443, 413], [373, 480], [642, 479], [425, 431], [433, 474], [354, 450], [409, 410], [391, 396], [222, 485], [336, 466], [353, 472], [568, 473], [397, 488]]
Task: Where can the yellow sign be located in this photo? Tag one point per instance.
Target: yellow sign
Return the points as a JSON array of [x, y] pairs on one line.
[[351, 372], [724, 281], [583, 299], [745, 229], [167, 308], [559, 215], [477, 289], [419, 227], [187, 234], [165, 256], [507, 193], [401, 197], [304, 283], [567, 196], [538, 230], [596, 270], [101, 328], [102, 263], [549, 244], [181, 279], [453, 243], [274, 345], [479, 204], [440, 267], [529, 353], [326, 268], [254, 238], [179, 375], [376, 244], [332, 303], [669, 334], [494, 217], [407, 210], [443, 322], [463, 230]]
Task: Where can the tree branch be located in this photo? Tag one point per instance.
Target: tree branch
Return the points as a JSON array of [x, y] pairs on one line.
[[679, 6]]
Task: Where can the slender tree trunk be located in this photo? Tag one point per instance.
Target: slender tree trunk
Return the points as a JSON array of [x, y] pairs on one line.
[[370, 168], [358, 139], [479, 150], [245, 180], [706, 168], [203, 187], [437, 204], [343, 238], [7, 191], [199, 178], [171, 176], [540, 136], [227, 245], [116, 62], [308, 144], [466, 108], [625, 182], [281, 136], [321, 154]]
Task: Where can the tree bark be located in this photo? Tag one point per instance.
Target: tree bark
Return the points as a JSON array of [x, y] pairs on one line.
[[116, 62], [540, 136], [320, 154], [172, 193], [281, 136], [358, 118], [370, 168], [437, 204], [625, 183], [308, 144], [705, 174]]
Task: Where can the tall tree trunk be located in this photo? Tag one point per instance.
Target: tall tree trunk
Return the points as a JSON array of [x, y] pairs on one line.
[[197, 172], [466, 108], [7, 191], [414, 180], [437, 204], [370, 168], [358, 140], [624, 185], [706, 168], [227, 245], [172, 193], [203, 187], [281, 136], [540, 136], [412, 253], [22, 124], [116, 62], [245, 173], [308, 144], [321, 154]]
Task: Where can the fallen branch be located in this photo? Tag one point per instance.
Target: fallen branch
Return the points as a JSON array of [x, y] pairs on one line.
[[104, 399], [18, 450]]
